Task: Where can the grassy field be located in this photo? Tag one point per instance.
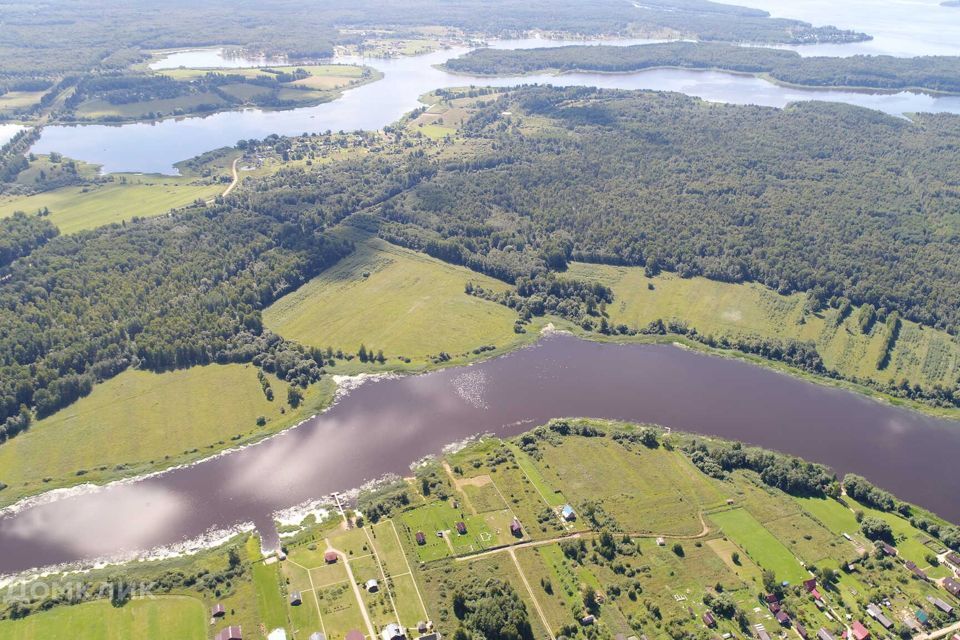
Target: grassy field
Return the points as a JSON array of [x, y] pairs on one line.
[[403, 302], [163, 618], [921, 355], [743, 529], [76, 208], [139, 421], [642, 490], [15, 100]]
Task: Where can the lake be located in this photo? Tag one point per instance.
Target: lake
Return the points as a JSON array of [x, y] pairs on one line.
[[154, 147], [383, 426]]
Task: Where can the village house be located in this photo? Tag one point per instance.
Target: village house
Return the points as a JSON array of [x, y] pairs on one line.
[[953, 559], [917, 571], [709, 620], [218, 611], [860, 632], [782, 617], [330, 557], [568, 513], [587, 620], [762, 634], [372, 586], [421, 538], [952, 586], [392, 632], [802, 630], [940, 604], [295, 599], [823, 634], [889, 549], [230, 633], [879, 616], [515, 528], [461, 528]]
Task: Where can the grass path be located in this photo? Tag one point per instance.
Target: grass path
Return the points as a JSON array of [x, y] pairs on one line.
[[356, 589], [533, 597]]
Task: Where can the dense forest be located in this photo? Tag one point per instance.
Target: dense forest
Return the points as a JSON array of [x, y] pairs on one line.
[[109, 36], [838, 201], [932, 73]]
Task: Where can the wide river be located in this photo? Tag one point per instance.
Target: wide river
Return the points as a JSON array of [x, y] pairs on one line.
[[383, 426], [155, 147]]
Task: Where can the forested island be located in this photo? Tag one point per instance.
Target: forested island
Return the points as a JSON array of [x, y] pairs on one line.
[[888, 73], [579, 529]]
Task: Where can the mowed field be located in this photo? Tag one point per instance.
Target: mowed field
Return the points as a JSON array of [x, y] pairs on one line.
[[762, 547], [76, 208], [403, 302], [161, 618], [139, 419], [921, 355]]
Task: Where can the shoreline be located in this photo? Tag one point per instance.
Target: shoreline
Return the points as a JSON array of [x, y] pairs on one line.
[[760, 75], [347, 383]]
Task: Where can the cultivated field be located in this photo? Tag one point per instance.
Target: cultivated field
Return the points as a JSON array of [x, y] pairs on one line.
[[403, 302]]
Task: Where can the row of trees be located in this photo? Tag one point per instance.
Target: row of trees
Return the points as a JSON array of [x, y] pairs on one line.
[[933, 73]]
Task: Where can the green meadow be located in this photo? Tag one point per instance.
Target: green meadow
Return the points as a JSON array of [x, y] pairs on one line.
[[742, 528], [139, 421], [163, 618], [403, 302], [921, 355], [76, 208]]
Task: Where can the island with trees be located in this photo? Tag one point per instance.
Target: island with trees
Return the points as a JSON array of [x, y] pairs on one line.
[[938, 74]]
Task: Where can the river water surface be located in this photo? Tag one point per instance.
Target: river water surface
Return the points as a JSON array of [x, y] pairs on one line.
[[383, 426]]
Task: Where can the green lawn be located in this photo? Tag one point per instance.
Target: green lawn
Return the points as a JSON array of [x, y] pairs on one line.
[[551, 496], [77, 208], [922, 355], [744, 530], [162, 618], [403, 302], [832, 514], [144, 420], [271, 603]]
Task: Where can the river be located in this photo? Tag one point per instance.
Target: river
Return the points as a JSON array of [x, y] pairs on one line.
[[154, 147], [383, 426]]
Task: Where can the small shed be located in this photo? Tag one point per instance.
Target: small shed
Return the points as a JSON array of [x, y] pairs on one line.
[[295, 599], [823, 634], [421, 538], [218, 611], [587, 620], [515, 528], [231, 633], [568, 513], [802, 630], [661, 542], [461, 528], [372, 586], [922, 616], [331, 557], [709, 620], [317, 636]]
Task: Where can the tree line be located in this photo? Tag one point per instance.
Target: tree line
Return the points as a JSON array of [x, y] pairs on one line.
[[931, 73]]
